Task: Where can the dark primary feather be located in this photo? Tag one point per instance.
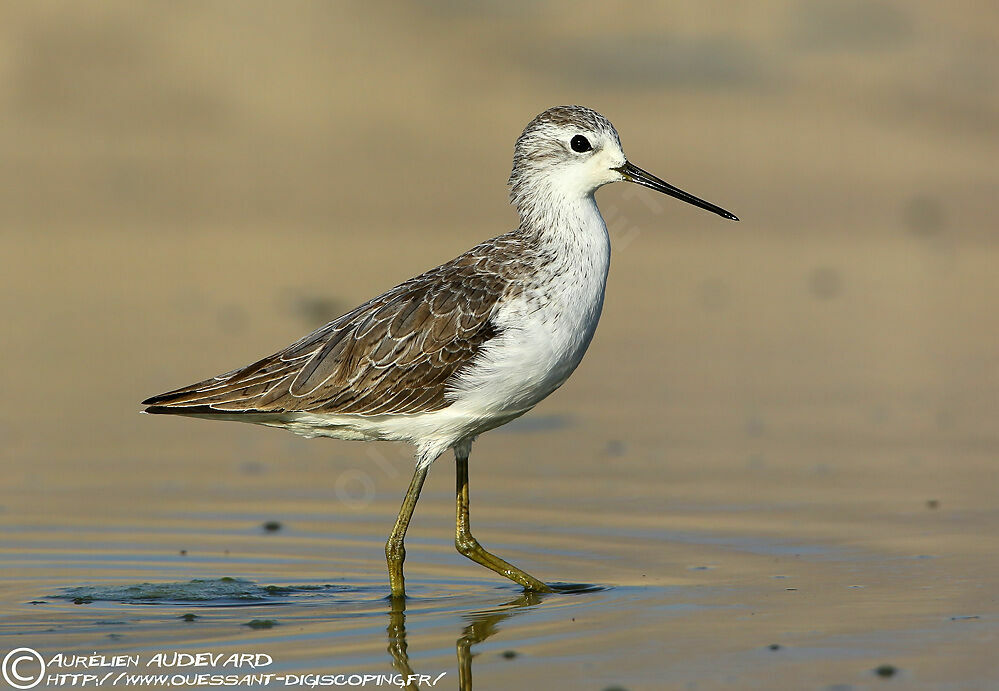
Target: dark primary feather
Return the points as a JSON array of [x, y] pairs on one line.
[[394, 354]]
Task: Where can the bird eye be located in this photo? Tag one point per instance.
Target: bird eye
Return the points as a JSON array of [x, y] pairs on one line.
[[580, 144]]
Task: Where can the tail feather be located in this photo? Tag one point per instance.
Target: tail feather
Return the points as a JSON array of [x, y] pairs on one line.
[[183, 410]]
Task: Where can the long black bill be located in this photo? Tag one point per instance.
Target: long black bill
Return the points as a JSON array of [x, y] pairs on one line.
[[633, 173]]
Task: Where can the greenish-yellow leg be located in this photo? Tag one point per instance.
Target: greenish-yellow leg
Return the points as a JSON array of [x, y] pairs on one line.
[[395, 549], [470, 547]]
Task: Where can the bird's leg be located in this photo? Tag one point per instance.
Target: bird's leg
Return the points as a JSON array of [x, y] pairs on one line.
[[395, 550], [470, 547]]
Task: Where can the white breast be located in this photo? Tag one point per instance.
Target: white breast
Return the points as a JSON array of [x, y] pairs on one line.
[[545, 330]]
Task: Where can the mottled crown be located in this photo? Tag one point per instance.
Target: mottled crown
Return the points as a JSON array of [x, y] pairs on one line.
[[542, 144], [570, 116]]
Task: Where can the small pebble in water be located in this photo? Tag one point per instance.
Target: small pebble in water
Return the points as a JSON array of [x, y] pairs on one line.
[[509, 654], [272, 526], [261, 624], [886, 670]]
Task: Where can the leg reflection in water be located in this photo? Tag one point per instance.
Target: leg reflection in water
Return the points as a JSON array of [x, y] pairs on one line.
[[397, 645], [482, 626]]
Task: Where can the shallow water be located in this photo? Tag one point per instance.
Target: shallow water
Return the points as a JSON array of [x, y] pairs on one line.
[[710, 571]]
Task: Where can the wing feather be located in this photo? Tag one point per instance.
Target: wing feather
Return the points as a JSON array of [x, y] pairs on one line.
[[393, 354]]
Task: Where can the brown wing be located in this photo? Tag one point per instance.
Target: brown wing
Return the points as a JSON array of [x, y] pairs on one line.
[[393, 354]]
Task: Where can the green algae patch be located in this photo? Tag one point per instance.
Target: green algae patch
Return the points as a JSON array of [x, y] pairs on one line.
[[225, 590]]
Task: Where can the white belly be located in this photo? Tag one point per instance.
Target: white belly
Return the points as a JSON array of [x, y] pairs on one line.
[[532, 357]]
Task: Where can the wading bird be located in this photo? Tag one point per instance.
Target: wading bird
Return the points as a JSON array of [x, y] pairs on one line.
[[463, 348]]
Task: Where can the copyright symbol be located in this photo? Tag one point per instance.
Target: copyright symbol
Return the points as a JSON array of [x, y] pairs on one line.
[[19, 668], [355, 488]]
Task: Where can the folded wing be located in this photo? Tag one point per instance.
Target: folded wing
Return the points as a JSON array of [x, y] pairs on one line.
[[394, 354]]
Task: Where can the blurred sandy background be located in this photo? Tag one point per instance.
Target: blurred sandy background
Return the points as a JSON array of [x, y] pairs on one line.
[[185, 187]]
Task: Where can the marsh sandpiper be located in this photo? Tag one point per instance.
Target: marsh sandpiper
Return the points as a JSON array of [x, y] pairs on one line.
[[463, 348]]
